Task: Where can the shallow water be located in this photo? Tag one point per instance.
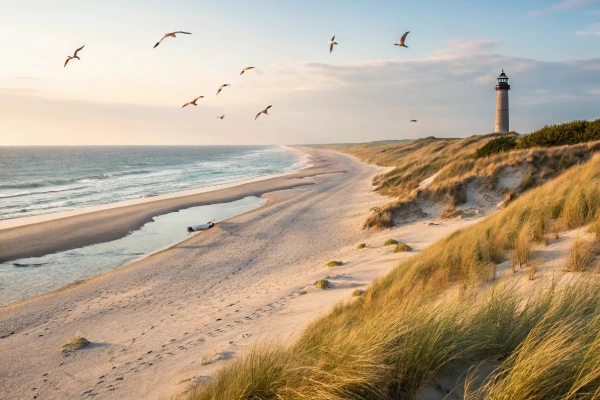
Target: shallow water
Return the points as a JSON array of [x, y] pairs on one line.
[[31, 276]]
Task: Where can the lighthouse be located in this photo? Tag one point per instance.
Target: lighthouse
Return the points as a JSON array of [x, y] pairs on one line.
[[502, 88]]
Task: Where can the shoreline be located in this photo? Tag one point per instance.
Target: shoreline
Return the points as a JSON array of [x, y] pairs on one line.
[[36, 219], [112, 222]]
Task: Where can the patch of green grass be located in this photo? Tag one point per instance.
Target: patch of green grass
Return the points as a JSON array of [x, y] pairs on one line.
[[361, 246], [334, 263], [323, 284], [357, 292], [75, 343], [390, 242], [401, 247]]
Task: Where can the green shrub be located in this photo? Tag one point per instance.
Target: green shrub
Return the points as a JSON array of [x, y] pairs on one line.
[[500, 144], [390, 242], [323, 284], [562, 134], [334, 264], [361, 246], [401, 247]]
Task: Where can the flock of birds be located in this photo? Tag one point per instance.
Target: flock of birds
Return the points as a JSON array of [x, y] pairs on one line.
[[332, 43]]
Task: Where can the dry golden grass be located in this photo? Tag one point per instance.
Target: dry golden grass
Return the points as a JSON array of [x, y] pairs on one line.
[[401, 333], [450, 212], [401, 247], [582, 254], [390, 242], [75, 343], [334, 263], [454, 165], [357, 293], [323, 284]]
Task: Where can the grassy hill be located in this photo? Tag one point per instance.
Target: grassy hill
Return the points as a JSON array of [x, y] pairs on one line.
[[433, 316]]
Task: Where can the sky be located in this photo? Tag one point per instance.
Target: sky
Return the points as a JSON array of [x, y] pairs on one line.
[[123, 91]]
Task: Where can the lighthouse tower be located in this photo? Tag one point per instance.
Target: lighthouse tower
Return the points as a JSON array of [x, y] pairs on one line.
[[502, 89]]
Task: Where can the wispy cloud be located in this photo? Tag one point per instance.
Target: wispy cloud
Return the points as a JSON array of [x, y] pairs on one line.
[[592, 30], [564, 5], [460, 48]]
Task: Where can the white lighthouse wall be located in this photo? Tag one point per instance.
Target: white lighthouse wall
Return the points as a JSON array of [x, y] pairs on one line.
[[502, 111]]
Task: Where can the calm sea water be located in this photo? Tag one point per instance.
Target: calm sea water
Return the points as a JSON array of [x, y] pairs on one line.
[[43, 180]]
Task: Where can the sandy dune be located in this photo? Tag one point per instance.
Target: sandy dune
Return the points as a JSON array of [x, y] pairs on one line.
[[152, 323]]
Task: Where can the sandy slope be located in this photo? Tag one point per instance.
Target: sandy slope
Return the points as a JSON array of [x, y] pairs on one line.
[[153, 322]]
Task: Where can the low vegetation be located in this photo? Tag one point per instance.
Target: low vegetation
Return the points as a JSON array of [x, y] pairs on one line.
[[74, 344], [562, 134], [390, 242], [323, 284], [497, 145], [401, 247], [582, 255], [361, 246], [395, 338], [357, 292], [331, 264], [543, 155]]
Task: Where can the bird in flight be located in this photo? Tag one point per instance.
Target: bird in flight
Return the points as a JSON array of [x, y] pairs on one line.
[[69, 58], [263, 112], [220, 116], [413, 120], [193, 102], [402, 39], [172, 34], [246, 69], [222, 86], [331, 43]]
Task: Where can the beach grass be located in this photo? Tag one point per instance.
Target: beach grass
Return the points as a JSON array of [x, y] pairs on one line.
[[429, 317], [334, 263], [323, 284], [454, 164], [390, 242], [361, 246], [357, 292], [402, 247], [74, 344]]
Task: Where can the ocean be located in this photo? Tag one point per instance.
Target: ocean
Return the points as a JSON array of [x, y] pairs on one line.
[[45, 180]]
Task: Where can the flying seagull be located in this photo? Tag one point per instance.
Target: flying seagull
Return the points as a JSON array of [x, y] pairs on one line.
[[222, 86], [402, 39], [331, 43], [246, 69], [69, 58], [263, 112], [193, 102], [172, 34], [220, 116], [413, 120]]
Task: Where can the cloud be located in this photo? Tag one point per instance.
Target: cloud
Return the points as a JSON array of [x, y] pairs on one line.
[[451, 96], [459, 48], [592, 30], [564, 5]]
